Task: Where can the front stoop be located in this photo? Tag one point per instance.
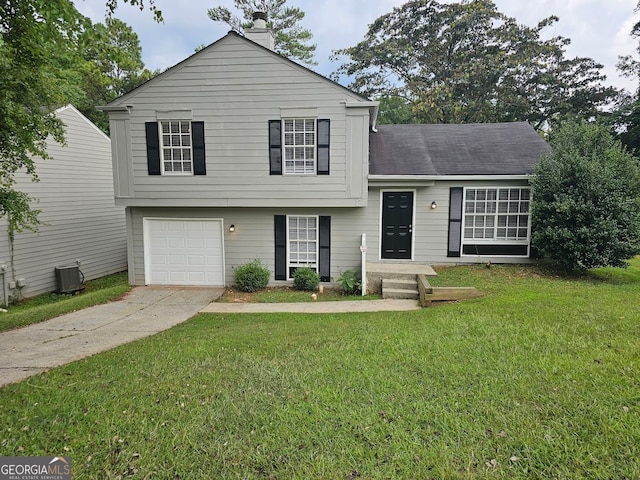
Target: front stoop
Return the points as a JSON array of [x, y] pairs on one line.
[[400, 288], [376, 271]]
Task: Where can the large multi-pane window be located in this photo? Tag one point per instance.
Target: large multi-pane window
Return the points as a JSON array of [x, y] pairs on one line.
[[302, 240], [496, 214], [175, 145], [299, 146]]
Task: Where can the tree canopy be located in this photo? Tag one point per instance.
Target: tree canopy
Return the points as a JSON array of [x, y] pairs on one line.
[[110, 65], [626, 116], [585, 208], [38, 73], [467, 62], [291, 39]]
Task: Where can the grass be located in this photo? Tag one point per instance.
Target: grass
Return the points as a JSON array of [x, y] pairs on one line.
[[44, 307], [537, 379]]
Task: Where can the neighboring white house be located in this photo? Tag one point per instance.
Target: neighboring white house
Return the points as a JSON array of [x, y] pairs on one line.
[[80, 220], [239, 136]]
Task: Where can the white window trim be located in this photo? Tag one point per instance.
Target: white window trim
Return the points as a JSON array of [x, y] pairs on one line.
[[285, 146], [492, 241], [317, 241], [162, 148]]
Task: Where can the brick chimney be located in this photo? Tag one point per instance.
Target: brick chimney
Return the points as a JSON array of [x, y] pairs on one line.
[[260, 33]]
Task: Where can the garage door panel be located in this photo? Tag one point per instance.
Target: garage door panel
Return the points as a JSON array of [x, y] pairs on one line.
[[184, 252], [174, 226], [175, 242], [160, 242], [198, 277], [196, 260], [196, 243], [178, 278], [160, 277], [159, 259], [178, 260], [213, 261]]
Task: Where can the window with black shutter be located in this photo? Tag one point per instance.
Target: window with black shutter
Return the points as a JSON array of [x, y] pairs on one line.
[[175, 147]]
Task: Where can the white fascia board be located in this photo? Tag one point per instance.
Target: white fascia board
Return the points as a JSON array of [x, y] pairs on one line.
[[114, 108], [450, 178]]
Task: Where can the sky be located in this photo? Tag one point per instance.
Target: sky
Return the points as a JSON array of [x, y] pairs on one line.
[[598, 29]]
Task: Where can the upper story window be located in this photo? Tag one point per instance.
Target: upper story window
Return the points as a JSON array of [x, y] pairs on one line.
[[299, 146], [175, 147], [175, 144]]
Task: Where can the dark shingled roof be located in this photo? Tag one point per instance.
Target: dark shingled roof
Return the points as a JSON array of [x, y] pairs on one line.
[[448, 149]]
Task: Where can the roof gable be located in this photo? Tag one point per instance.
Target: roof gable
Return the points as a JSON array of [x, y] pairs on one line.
[[455, 149], [202, 55]]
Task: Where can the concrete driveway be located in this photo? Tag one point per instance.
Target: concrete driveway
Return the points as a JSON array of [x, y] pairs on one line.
[[142, 312]]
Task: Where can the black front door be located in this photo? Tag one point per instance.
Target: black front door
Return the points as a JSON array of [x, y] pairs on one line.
[[397, 218]]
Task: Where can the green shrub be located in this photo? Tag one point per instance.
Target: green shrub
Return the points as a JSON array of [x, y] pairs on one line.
[[585, 211], [251, 277], [305, 278], [350, 282]]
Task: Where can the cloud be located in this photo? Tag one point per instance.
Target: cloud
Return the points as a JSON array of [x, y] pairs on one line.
[[597, 29]]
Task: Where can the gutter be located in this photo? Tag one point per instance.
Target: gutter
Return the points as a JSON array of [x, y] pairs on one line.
[[413, 178]]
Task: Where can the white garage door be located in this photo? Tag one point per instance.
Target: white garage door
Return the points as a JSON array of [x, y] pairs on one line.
[[183, 251]]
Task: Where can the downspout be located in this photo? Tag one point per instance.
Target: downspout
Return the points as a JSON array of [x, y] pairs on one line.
[[374, 123]]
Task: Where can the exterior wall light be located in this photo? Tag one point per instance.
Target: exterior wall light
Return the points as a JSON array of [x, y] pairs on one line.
[[434, 205], [232, 228]]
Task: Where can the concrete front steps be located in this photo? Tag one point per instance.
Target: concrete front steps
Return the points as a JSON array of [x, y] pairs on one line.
[[410, 281], [400, 288]]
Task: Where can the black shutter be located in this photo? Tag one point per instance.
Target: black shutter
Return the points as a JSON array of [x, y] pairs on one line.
[[280, 237], [275, 147], [324, 127], [324, 240], [197, 142], [455, 221], [153, 148]]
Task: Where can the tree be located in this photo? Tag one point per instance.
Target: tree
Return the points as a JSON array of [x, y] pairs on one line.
[[291, 40], [38, 41], [467, 62], [111, 65], [31, 88], [626, 115], [585, 208], [395, 111]]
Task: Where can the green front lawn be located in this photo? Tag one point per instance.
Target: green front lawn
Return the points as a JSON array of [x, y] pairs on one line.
[[537, 379]]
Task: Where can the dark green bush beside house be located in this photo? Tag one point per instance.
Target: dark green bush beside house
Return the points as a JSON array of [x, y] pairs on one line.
[[585, 207]]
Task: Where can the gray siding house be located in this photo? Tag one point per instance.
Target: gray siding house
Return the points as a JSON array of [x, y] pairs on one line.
[[238, 153], [80, 220]]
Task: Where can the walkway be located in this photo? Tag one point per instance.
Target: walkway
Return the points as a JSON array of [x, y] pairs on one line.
[[144, 311], [315, 307]]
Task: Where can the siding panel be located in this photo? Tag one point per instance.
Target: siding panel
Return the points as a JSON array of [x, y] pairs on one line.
[[80, 219]]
